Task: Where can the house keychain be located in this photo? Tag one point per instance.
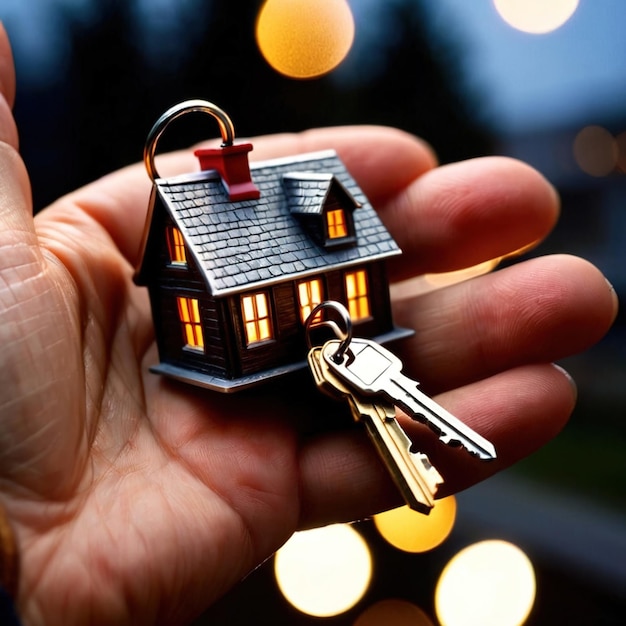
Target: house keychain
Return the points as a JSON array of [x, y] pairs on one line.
[[243, 262], [236, 256]]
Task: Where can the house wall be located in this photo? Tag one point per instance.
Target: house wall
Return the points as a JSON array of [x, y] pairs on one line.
[[165, 285], [286, 345], [226, 354], [214, 359], [289, 342]]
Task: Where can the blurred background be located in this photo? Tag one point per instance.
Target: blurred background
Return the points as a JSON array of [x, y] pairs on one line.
[[472, 78]]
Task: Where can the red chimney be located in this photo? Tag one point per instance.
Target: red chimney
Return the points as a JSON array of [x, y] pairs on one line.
[[231, 162]]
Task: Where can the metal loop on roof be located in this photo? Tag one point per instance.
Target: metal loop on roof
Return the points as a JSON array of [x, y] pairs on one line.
[[343, 334], [189, 106]]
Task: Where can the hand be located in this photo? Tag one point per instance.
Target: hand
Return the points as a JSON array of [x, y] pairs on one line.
[[139, 501]]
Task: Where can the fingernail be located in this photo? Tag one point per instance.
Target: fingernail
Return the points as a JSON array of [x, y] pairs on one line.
[[614, 296], [570, 380]]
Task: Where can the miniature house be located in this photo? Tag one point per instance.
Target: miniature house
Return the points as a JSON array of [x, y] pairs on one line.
[[236, 256]]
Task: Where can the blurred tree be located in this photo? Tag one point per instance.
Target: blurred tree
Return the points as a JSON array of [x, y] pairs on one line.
[[107, 94], [96, 117], [420, 89]]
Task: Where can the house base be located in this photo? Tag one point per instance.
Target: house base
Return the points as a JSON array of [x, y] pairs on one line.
[[228, 385]]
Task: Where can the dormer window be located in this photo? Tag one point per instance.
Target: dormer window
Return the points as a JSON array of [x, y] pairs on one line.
[[336, 222], [323, 206], [176, 247]]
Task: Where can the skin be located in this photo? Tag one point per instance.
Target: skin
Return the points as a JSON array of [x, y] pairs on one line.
[[135, 500]]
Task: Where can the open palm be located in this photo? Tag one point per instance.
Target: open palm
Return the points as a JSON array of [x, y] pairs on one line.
[[137, 500]]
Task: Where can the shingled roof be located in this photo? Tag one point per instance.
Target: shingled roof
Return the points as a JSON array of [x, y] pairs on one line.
[[306, 192], [253, 243]]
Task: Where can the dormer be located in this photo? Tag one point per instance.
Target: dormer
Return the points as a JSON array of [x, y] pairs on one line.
[[323, 206]]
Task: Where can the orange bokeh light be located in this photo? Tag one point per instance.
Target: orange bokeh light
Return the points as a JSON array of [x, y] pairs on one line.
[[596, 151], [411, 531], [393, 612], [304, 38]]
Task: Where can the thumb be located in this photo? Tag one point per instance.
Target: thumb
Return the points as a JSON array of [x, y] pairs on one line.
[[7, 70], [15, 200]]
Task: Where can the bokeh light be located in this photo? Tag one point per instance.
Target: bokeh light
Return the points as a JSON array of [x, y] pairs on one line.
[[596, 151], [393, 612], [491, 583], [325, 571], [620, 141], [411, 531], [536, 16], [304, 38]]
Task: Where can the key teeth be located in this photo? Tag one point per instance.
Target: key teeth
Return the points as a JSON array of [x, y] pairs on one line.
[[431, 474], [449, 440], [484, 456], [428, 466], [420, 457]]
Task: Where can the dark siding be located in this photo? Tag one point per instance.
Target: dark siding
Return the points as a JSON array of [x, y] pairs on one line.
[[380, 297], [172, 342], [226, 354], [285, 347], [287, 312], [165, 286], [380, 321]]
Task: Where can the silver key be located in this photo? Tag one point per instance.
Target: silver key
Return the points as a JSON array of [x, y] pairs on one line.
[[372, 370], [412, 472]]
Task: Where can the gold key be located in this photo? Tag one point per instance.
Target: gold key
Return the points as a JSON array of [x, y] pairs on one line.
[[412, 472]]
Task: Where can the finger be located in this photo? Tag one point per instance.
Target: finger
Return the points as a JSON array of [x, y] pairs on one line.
[[15, 206], [7, 68], [383, 161], [8, 130], [462, 214], [343, 479], [538, 311], [519, 411]]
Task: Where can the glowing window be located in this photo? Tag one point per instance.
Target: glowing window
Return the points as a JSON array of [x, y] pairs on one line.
[[189, 314], [256, 318], [357, 292], [336, 220], [310, 294], [176, 247]]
